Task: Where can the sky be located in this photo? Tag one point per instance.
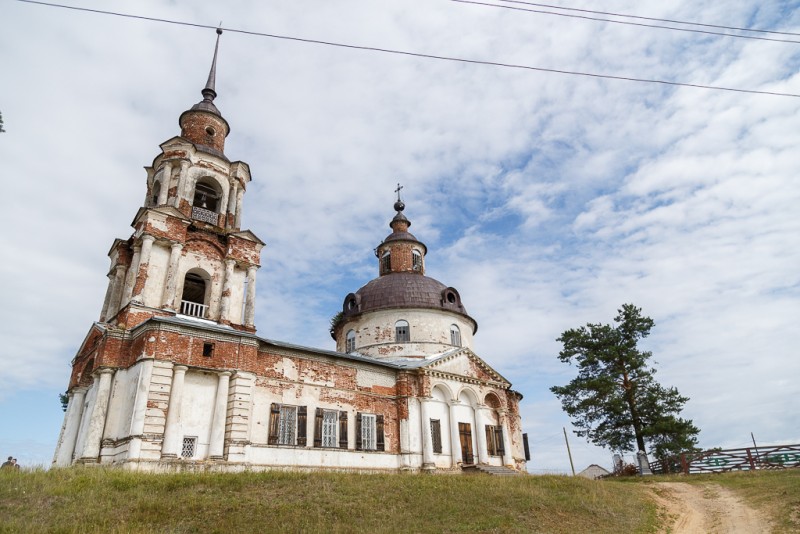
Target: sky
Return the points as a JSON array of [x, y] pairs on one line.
[[547, 199]]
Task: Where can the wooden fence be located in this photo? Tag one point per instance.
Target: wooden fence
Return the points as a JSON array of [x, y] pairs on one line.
[[719, 460]]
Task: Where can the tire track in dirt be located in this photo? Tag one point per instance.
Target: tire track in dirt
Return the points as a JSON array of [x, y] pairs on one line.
[[706, 509]]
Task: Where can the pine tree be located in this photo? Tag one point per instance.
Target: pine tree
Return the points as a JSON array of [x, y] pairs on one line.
[[615, 401]]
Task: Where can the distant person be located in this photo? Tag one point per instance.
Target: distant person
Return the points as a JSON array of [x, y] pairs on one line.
[[16, 465], [8, 464]]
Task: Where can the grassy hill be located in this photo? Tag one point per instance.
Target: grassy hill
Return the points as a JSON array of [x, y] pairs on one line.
[[102, 500]]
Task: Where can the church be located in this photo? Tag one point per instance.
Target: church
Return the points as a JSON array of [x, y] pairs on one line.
[[173, 375]]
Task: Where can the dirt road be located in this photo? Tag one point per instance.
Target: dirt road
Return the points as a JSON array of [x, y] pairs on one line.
[[706, 509]]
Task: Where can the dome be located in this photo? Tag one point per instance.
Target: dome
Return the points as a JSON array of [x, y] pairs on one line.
[[403, 290]]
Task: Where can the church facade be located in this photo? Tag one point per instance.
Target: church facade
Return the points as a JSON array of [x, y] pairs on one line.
[[173, 375]]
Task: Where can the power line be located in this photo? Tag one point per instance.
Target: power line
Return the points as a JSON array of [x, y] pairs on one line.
[[417, 54], [672, 21], [627, 23]]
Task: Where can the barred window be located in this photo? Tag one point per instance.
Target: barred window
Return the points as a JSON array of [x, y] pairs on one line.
[[350, 342], [330, 421], [455, 336], [494, 440], [368, 432], [402, 333], [436, 436], [287, 425], [189, 446]]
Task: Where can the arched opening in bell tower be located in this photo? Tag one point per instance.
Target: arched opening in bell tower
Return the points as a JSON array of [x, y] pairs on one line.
[[193, 298], [205, 204], [156, 193]]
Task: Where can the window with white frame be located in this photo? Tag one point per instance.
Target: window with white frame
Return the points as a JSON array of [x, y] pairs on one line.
[[330, 428], [287, 425], [350, 341], [330, 423], [368, 432], [402, 332], [189, 446], [455, 335]]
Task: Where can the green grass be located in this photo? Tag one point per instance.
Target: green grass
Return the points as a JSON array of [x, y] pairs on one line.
[[104, 500]]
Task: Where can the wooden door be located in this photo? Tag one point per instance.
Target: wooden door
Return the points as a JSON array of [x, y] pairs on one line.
[[465, 433]]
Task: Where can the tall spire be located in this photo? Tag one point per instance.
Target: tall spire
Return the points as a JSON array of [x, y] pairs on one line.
[[203, 124], [209, 92]]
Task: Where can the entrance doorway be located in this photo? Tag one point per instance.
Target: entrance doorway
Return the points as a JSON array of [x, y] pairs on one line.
[[465, 435]]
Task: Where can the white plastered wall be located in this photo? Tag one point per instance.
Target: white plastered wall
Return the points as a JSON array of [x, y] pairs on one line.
[[83, 429], [429, 329], [197, 409]]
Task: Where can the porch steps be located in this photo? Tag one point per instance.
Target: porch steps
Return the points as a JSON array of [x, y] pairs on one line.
[[493, 470]]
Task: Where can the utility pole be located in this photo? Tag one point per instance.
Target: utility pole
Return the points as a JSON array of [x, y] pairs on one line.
[[568, 451]]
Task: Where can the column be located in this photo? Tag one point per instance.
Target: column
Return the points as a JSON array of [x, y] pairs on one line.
[[250, 302], [232, 201], [144, 261], [427, 442], [217, 442], [183, 178], [223, 206], [119, 285], [140, 409], [107, 300], [130, 276], [508, 457], [225, 305], [239, 195], [72, 420], [170, 448], [455, 438], [166, 178], [171, 284], [97, 421], [480, 435]]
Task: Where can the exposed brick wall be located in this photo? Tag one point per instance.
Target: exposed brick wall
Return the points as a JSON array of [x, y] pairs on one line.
[[194, 126]]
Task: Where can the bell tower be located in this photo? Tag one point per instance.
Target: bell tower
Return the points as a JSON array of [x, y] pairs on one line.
[[188, 255]]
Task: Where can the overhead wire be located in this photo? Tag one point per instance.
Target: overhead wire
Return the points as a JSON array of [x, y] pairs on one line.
[[627, 23], [655, 19], [416, 54]]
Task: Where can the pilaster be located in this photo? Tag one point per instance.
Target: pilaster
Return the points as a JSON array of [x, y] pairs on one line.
[[216, 445], [170, 448]]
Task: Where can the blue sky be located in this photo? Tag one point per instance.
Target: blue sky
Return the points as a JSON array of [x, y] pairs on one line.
[[548, 200]]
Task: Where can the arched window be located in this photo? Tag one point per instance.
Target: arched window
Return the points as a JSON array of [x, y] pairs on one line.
[[455, 335], [386, 262], [402, 333], [156, 192], [350, 341], [194, 295], [206, 201], [416, 260]]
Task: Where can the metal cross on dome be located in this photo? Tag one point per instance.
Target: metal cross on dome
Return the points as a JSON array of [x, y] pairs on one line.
[[399, 187]]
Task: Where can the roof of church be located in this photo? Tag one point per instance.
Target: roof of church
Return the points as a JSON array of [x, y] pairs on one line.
[[405, 290], [204, 324]]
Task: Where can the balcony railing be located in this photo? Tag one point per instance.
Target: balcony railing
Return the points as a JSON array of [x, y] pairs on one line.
[[193, 309], [202, 214]]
